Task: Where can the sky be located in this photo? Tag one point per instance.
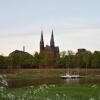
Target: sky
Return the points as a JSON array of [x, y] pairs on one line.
[[76, 24]]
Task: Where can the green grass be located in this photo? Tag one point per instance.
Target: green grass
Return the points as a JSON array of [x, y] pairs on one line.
[[34, 74], [58, 92]]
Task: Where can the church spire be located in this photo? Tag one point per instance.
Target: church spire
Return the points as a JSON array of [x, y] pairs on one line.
[[52, 44], [41, 42]]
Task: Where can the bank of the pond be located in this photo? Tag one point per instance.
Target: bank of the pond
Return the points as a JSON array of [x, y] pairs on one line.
[[22, 73], [78, 69], [21, 79], [34, 74]]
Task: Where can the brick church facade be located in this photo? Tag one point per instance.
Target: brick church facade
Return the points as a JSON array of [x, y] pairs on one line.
[[52, 50]]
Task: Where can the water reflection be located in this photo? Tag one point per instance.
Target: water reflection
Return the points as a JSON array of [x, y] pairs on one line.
[[85, 80], [21, 82], [71, 81]]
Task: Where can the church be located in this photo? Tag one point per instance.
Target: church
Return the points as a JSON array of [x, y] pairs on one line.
[[52, 50]]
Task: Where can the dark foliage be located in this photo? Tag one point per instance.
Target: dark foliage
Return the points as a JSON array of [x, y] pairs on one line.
[[20, 59]]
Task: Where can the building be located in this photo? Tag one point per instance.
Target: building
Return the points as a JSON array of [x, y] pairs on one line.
[[52, 50], [80, 51]]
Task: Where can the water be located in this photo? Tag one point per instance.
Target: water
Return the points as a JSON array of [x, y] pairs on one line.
[[22, 82]]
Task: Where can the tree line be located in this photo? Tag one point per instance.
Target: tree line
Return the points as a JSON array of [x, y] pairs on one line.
[[20, 59]]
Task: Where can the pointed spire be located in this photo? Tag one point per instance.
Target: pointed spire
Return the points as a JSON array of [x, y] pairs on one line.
[[52, 40], [42, 41], [52, 37]]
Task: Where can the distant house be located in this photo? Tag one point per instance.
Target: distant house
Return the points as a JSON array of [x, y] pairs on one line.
[[81, 50]]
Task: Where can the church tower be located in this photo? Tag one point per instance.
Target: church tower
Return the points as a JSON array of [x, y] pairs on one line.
[[41, 42], [52, 44]]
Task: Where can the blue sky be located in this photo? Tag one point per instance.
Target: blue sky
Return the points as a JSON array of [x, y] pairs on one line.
[[76, 24]]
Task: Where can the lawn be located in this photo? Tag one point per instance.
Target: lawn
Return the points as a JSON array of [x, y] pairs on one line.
[[54, 92], [34, 74]]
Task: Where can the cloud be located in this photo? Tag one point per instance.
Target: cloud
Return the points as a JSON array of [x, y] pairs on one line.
[[18, 31]]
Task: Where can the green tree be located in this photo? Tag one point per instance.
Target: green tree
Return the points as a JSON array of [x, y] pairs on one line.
[[44, 60], [61, 63], [96, 59], [21, 59], [36, 60], [79, 60], [87, 57], [2, 61], [70, 58]]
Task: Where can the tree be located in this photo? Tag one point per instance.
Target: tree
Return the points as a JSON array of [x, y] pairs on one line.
[[96, 59], [87, 56], [36, 60], [44, 60], [63, 54], [21, 59], [60, 61], [2, 61], [79, 60], [70, 58]]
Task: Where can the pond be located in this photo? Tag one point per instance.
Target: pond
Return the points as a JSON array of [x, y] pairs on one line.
[[22, 82]]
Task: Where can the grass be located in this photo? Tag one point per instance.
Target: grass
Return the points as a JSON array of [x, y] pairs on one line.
[[34, 74], [57, 92]]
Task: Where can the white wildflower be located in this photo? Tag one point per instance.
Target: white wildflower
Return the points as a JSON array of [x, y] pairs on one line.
[[91, 98], [52, 85], [4, 76], [48, 98], [1, 76], [57, 95], [94, 86]]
